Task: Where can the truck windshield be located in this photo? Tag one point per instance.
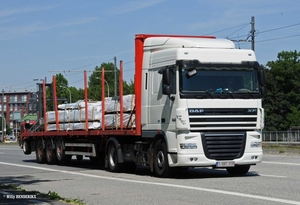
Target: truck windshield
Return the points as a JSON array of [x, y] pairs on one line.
[[219, 79]]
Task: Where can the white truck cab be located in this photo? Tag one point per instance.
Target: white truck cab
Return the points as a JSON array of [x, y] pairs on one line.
[[205, 96]]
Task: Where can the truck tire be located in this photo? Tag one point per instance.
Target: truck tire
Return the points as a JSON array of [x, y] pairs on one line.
[[112, 156], [238, 170], [50, 152], [26, 147], [40, 152], [61, 157], [160, 161]]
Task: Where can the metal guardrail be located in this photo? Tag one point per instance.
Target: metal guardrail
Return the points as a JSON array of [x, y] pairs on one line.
[[281, 136]]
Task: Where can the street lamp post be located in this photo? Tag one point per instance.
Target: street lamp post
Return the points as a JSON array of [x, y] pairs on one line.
[[106, 85], [2, 115], [3, 126], [69, 93]]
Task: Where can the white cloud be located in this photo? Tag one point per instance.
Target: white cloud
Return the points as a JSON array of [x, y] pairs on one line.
[[12, 32], [133, 6], [10, 12]]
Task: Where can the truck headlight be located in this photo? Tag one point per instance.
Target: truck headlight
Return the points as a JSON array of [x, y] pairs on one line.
[[188, 146], [255, 144]]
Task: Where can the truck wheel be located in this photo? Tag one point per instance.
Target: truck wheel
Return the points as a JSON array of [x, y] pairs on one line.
[[50, 152], [238, 170], [161, 164], [112, 156], [61, 157], [40, 152], [26, 147]]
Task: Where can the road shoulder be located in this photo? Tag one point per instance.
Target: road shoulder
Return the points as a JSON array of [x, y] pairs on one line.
[[10, 194]]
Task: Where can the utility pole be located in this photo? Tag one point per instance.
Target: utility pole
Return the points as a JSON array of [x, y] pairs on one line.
[[252, 32], [115, 67]]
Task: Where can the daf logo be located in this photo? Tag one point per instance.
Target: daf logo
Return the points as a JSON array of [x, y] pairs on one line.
[[195, 110], [251, 110]]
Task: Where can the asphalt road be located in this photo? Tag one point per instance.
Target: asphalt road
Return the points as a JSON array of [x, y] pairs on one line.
[[275, 181]]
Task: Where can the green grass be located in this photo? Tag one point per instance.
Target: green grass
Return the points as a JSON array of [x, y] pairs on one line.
[[282, 148], [54, 196]]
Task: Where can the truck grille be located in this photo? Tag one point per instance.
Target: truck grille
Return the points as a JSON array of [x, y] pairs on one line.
[[223, 146], [222, 118]]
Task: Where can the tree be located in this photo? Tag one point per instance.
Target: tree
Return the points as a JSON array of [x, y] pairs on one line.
[[282, 101], [61, 85], [128, 88], [77, 94], [62, 89], [95, 87]]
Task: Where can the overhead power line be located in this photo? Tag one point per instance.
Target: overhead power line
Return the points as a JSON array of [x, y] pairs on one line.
[[275, 29], [91, 64], [279, 38], [227, 29], [237, 30]]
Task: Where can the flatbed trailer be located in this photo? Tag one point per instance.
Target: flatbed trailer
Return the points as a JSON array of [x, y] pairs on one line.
[[60, 145]]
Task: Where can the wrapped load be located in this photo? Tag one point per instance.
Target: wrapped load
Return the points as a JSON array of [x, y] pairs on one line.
[[111, 104], [63, 116], [70, 106], [73, 126], [72, 116], [111, 121], [94, 114]]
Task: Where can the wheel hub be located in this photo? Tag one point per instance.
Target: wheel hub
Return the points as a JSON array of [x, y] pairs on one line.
[[160, 159]]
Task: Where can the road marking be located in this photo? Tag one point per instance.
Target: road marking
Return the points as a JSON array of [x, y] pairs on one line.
[[267, 175], [10, 148], [162, 184], [281, 163]]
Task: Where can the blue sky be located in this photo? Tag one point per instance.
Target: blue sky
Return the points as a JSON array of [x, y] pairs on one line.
[[39, 39]]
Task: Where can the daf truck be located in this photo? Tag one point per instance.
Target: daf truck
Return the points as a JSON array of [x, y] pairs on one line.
[[197, 103]]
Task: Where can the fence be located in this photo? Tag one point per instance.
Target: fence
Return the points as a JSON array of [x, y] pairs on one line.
[[281, 136]]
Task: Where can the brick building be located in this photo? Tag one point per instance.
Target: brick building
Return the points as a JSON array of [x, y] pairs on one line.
[[14, 106]]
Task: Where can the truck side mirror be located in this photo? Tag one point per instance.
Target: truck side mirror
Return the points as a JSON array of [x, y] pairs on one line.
[[168, 86], [262, 78], [166, 77], [264, 91]]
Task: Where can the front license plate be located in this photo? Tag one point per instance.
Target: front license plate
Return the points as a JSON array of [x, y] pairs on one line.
[[225, 164]]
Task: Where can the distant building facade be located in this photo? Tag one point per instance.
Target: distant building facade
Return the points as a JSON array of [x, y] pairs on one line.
[[15, 105]]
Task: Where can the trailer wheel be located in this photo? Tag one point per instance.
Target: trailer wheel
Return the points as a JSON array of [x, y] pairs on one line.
[[238, 170], [112, 155], [26, 147], [40, 152], [161, 164], [50, 152], [61, 157]]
